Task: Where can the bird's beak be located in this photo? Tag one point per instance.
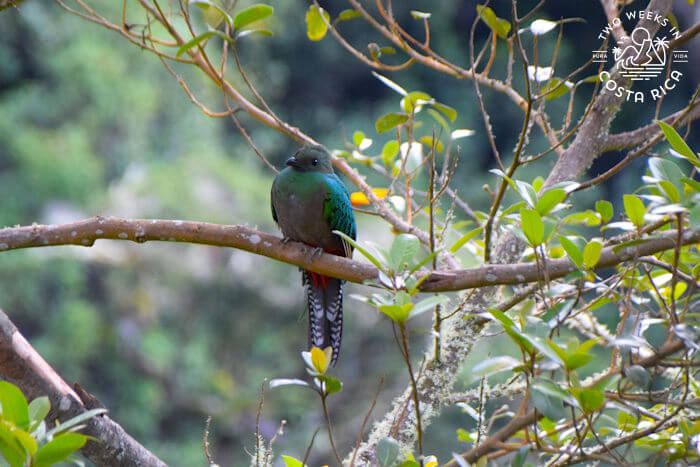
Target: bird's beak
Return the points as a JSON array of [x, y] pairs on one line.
[[292, 161]]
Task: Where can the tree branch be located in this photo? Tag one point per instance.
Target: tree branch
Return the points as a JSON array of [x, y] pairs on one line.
[[9, 3], [461, 334], [591, 138], [85, 232], [23, 366], [640, 135], [520, 421]]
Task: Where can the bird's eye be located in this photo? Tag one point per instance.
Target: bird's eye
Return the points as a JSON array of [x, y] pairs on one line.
[[314, 162]]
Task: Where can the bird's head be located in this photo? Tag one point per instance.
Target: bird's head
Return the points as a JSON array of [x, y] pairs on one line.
[[311, 159]]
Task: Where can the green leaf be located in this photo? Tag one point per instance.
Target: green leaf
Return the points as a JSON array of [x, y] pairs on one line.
[[586, 217], [75, 421], [605, 209], [556, 87], [692, 184], [577, 360], [362, 142], [527, 192], [500, 316], [634, 209], [591, 253], [347, 14], [572, 251], [464, 435], [316, 27], [292, 462], [357, 139], [591, 399], [464, 239], [677, 143], [387, 452], [514, 333], [494, 365], [545, 349], [586, 346], [14, 405], [390, 121], [11, 448], [58, 449], [423, 261], [415, 99], [549, 199], [670, 190], [387, 50], [440, 119], [639, 376], [397, 313], [38, 409], [362, 250], [663, 169], [390, 151], [532, 226], [505, 177], [428, 141], [694, 216], [202, 37], [206, 4], [549, 398], [28, 443], [561, 353], [428, 304], [521, 456], [500, 26], [331, 384], [403, 250], [447, 111]]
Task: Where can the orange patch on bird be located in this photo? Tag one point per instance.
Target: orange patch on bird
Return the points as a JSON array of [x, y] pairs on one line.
[[360, 199]]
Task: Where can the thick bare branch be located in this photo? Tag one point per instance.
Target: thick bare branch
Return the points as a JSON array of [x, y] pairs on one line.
[[23, 366], [84, 233], [591, 138], [640, 135], [613, 16]]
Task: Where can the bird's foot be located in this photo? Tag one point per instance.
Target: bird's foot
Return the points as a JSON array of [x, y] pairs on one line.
[[286, 240], [317, 252]]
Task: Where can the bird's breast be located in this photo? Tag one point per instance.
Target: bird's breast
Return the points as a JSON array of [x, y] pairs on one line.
[[299, 207]]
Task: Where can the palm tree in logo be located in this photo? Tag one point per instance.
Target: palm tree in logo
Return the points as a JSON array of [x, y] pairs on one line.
[[642, 52]]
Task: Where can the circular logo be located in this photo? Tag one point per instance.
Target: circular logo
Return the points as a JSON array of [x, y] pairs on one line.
[[642, 58]]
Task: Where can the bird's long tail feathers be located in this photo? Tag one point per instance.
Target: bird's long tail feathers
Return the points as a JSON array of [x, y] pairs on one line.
[[324, 296]]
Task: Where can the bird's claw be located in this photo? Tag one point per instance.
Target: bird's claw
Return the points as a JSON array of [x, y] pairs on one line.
[[318, 251], [286, 240]]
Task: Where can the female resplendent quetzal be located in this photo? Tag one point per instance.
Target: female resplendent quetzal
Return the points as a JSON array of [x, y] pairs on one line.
[[309, 202]]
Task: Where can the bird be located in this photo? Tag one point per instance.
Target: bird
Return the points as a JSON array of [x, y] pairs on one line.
[[308, 203]]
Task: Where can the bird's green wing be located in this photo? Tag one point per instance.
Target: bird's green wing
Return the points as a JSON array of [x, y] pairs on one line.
[[337, 210], [272, 207]]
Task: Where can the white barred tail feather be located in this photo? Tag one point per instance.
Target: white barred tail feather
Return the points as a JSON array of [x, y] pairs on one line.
[[324, 297]]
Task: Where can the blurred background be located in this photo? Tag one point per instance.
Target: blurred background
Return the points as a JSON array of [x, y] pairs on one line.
[[167, 334]]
